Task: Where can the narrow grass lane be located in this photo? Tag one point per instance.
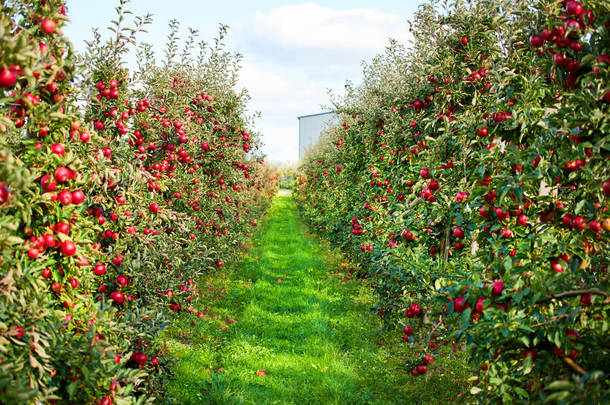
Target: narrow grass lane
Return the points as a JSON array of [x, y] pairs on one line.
[[287, 311]]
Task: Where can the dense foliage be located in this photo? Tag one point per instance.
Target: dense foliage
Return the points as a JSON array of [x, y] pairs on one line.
[[470, 180], [117, 190]]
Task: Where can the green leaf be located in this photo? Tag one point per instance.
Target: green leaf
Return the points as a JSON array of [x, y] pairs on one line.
[[560, 385], [72, 387], [466, 318], [508, 263], [558, 396], [587, 59]]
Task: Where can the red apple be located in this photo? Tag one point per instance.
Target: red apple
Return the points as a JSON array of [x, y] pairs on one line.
[[62, 174], [117, 297], [99, 269], [68, 248], [606, 187], [574, 8], [47, 26], [556, 266], [65, 197], [497, 288], [8, 78], [536, 41], [78, 197], [422, 369]]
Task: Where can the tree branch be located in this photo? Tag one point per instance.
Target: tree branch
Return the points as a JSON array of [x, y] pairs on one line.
[[574, 365], [566, 294]]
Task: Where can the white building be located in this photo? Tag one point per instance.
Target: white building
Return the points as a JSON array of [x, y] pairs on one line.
[[311, 128]]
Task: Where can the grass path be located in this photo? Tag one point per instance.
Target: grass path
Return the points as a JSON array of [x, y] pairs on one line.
[[286, 310]]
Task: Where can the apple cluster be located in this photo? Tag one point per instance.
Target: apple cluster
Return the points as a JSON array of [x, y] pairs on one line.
[[476, 165]]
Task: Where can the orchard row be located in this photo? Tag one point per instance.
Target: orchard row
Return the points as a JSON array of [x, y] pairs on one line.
[[117, 190], [470, 181]]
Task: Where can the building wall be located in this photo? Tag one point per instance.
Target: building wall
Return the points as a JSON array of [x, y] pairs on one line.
[[311, 127]]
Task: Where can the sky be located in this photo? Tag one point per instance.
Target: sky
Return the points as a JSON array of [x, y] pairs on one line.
[[293, 51]]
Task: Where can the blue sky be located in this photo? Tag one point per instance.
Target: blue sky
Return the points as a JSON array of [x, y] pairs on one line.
[[293, 50]]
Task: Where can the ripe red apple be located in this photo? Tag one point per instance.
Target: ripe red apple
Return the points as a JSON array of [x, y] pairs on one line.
[[62, 227], [575, 45], [559, 59], [8, 78], [139, 358], [501, 214], [579, 223], [47, 26], [480, 305], [154, 208], [497, 288], [122, 281], [459, 305], [3, 193], [99, 269], [408, 330], [49, 240], [68, 248], [46, 272], [62, 174], [536, 41], [458, 232], [522, 220], [482, 132], [33, 252], [58, 149], [566, 220], [595, 226], [574, 8], [78, 197], [606, 187], [422, 369], [415, 309], [219, 263], [117, 297], [105, 401], [73, 282], [428, 359], [65, 197], [556, 266], [464, 41]]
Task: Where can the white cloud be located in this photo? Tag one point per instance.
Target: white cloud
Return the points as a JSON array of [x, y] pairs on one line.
[[294, 53], [314, 27]]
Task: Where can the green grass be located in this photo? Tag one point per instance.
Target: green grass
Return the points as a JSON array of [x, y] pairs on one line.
[[313, 332]]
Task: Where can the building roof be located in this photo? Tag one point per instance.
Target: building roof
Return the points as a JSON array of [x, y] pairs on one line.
[[313, 115]]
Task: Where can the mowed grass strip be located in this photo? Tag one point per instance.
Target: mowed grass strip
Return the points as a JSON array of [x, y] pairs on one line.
[[297, 319]]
